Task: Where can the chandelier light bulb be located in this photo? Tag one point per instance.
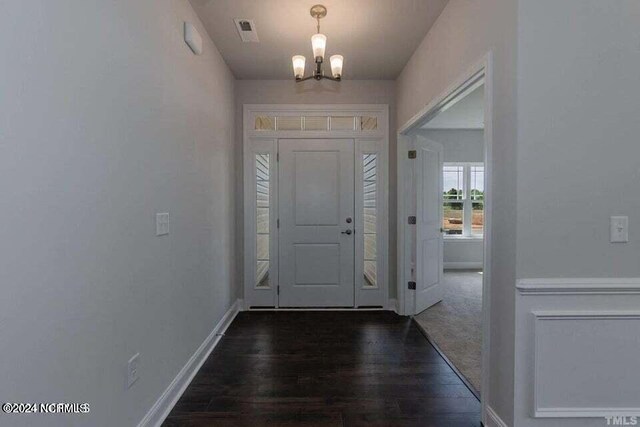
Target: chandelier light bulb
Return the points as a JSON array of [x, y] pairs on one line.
[[319, 44], [298, 66], [336, 65]]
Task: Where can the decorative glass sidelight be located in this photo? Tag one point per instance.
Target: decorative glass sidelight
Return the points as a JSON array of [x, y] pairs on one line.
[[262, 220], [370, 186]]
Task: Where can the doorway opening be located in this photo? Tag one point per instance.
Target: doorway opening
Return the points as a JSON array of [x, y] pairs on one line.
[[454, 324], [444, 252]]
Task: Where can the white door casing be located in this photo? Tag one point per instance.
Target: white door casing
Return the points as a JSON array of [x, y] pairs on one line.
[[367, 127], [429, 240], [316, 180]]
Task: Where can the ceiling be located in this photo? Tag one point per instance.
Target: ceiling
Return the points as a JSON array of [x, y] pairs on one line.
[[376, 37], [467, 113]]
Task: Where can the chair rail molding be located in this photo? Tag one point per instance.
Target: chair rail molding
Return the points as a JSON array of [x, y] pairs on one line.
[[578, 286]]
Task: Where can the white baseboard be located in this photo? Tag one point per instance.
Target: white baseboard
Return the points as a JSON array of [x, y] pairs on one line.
[[161, 409], [462, 265], [493, 419], [392, 305]]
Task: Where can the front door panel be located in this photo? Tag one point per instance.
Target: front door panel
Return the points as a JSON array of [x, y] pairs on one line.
[[316, 197]]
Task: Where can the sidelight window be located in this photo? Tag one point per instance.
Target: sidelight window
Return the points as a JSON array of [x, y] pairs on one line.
[[370, 186], [262, 219]]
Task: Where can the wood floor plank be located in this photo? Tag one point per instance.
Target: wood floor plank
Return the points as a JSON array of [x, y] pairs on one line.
[[325, 369]]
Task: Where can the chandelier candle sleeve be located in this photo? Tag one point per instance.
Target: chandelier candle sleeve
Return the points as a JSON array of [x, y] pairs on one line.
[[336, 65], [319, 44], [298, 66]]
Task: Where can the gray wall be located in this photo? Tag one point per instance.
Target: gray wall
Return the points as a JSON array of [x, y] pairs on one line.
[[445, 53], [578, 137], [460, 145], [312, 92], [106, 118], [463, 253]]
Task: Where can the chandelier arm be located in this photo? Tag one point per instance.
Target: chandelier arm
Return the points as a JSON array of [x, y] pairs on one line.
[[335, 79], [338, 79], [304, 78]]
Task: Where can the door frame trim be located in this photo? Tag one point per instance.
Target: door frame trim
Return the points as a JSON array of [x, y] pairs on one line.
[[481, 69], [267, 141]]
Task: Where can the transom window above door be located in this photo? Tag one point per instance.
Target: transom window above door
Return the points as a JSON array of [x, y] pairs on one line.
[[316, 123], [463, 199]]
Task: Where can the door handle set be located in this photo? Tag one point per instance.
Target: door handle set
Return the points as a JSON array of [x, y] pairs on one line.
[[348, 232]]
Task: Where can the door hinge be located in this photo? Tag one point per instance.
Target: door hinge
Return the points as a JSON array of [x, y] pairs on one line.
[[278, 223], [278, 156], [412, 286], [278, 289], [411, 220], [413, 154]]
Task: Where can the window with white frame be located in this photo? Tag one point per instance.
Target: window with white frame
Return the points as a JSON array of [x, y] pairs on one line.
[[463, 199]]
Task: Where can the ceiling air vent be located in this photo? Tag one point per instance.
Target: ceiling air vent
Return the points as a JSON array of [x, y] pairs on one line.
[[247, 30]]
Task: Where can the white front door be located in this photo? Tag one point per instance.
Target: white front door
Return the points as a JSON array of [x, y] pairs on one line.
[[429, 241], [316, 208]]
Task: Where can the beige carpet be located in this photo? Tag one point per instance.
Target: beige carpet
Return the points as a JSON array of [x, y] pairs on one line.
[[455, 323]]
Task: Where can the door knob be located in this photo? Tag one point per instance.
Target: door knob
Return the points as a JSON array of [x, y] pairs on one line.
[[349, 220], [347, 232]]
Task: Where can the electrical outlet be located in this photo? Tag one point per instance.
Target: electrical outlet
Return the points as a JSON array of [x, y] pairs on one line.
[[132, 369], [162, 224], [619, 229]]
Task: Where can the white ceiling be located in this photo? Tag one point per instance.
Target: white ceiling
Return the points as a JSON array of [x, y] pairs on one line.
[[467, 113], [376, 37]]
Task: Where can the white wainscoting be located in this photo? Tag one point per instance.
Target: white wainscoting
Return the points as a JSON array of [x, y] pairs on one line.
[[577, 351]]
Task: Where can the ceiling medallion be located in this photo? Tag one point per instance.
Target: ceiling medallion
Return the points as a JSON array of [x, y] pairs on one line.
[[318, 44]]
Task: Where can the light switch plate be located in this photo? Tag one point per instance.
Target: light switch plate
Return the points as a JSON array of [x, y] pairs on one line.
[[162, 224], [619, 229]]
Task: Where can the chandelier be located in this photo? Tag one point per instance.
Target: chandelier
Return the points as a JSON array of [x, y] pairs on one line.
[[318, 44]]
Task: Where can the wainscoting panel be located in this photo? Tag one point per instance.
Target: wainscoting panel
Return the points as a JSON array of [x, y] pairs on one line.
[[577, 351]]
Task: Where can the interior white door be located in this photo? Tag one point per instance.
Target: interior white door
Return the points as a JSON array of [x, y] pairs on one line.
[[429, 240], [316, 207]]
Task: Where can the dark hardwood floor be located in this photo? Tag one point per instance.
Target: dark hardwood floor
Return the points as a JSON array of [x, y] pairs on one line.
[[325, 369]]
